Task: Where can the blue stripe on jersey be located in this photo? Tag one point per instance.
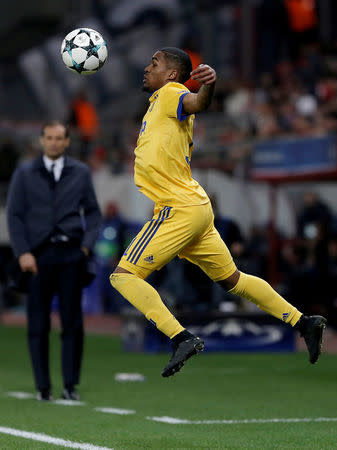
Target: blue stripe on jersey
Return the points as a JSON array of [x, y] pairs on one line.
[[127, 248], [180, 114], [165, 216], [148, 230], [142, 236]]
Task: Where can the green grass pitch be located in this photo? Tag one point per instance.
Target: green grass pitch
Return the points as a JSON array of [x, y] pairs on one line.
[[210, 387]]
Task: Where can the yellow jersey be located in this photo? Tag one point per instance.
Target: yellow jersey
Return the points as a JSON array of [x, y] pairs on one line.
[[164, 148]]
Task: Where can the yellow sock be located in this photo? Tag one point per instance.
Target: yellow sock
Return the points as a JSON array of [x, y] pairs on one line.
[[263, 295], [147, 300]]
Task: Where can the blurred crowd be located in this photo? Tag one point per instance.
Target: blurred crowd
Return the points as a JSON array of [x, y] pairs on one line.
[[294, 99]]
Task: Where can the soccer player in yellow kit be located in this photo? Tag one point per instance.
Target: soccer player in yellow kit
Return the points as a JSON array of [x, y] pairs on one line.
[[182, 222]]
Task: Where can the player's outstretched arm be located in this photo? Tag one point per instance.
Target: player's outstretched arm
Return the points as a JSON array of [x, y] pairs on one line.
[[206, 76]]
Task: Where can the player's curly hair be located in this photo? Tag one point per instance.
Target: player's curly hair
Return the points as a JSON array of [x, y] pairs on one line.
[[180, 59]]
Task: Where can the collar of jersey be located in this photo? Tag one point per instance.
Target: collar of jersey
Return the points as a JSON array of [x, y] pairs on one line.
[[169, 83]]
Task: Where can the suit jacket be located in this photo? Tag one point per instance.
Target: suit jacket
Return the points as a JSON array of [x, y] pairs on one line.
[[38, 207]]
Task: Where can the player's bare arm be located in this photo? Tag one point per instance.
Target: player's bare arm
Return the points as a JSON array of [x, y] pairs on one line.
[[206, 76]]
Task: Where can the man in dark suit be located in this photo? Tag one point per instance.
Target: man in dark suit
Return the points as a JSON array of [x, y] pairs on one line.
[[53, 221]]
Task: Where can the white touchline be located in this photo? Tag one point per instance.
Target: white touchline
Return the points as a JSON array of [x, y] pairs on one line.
[[50, 439], [121, 412], [174, 420]]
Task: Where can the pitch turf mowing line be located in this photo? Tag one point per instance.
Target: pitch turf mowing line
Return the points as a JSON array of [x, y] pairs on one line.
[[175, 421], [50, 439]]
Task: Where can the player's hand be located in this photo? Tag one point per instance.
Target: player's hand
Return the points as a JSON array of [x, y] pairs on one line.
[[204, 74], [27, 263]]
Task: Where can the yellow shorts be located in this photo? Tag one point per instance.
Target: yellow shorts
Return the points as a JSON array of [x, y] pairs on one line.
[[187, 232]]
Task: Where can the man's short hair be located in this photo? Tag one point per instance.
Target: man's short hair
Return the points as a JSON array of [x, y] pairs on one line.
[[180, 59], [55, 123]]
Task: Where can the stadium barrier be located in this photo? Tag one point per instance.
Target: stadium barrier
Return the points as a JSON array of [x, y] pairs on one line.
[[222, 332], [295, 159]]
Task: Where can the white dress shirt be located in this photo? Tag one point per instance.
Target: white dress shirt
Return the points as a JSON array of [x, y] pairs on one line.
[[58, 165]]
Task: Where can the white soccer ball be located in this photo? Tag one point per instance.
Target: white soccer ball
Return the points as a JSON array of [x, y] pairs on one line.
[[84, 51]]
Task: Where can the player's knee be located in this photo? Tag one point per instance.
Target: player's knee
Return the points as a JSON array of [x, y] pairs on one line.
[[119, 278], [114, 280], [114, 277], [230, 282]]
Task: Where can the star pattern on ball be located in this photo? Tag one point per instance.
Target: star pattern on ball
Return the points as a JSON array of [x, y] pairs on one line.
[[92, 49], [70, 44], [78, 67]]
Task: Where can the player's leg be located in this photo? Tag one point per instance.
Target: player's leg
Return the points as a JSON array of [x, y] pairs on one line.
[[157, 243], [147, 300], [262, 294], [266, 298], [213, 256]]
